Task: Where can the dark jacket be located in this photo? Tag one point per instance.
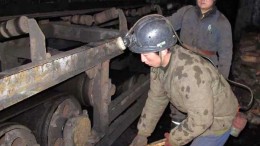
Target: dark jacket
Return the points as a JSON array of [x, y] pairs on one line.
[[211, 31], [194, 87]]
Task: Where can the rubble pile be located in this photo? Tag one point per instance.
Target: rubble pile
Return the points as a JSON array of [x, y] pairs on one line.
[[246, 69], [247, 60]]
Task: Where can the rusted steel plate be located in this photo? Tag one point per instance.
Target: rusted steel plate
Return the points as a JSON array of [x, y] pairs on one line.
[[22, 82]]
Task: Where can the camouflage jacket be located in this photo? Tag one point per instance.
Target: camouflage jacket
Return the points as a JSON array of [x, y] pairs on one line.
[[195, 87], [211, 31]]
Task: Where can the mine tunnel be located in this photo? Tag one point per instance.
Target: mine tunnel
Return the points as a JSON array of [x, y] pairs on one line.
[[67, 79]]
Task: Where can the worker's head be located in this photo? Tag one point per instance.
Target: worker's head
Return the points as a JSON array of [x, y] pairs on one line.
[[206, 5], [151, 37]]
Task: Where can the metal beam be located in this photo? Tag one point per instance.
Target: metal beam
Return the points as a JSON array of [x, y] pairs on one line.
[[123, 101], [78, 33], [51, 10], [124, 121], [20, 83], [37, 41], [17, 48], [52, 14]]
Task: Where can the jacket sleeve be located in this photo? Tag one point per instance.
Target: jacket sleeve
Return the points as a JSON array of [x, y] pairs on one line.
[[176, 18], [154, 107], [225, 51], [196, 92]]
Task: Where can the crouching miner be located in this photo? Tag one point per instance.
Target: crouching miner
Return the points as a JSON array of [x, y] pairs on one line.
[[186, 80]]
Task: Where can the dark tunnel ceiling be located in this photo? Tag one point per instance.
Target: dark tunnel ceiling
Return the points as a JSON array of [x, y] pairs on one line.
[[17, 7]]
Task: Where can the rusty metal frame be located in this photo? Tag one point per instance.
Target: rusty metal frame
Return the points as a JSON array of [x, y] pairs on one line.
[[124, 120], [100, 90], [133, 102], [25, 81], [20, 83], [123, 101], [109, 114]]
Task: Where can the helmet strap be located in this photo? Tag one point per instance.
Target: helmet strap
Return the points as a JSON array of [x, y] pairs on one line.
[[161, 59]]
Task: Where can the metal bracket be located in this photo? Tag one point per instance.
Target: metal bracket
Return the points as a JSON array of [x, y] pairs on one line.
[[122, 22], [24, 25], [37, 41]]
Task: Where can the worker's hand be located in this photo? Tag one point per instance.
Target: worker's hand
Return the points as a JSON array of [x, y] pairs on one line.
[[240, 121], [167, 143], [139, 140], [238, 124]]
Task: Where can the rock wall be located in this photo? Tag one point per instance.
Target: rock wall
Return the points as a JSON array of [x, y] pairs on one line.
[[248, 15]]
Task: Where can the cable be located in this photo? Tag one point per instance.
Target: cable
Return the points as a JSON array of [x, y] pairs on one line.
[[249, 105]]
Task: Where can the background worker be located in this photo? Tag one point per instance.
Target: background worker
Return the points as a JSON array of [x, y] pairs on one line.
[[186, 80], [205, 30]]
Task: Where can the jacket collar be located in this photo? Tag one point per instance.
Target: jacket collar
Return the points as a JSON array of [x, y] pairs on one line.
[[210, 12], [167, 66]]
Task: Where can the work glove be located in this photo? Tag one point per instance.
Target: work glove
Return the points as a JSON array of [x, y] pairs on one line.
[[139, 140], [167, 142]]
